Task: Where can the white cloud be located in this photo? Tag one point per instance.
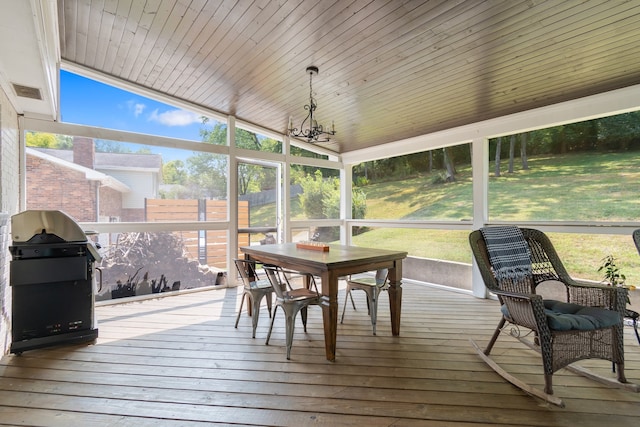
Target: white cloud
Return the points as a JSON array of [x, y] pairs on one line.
[[138, 109], [135, 107], [174, 117]]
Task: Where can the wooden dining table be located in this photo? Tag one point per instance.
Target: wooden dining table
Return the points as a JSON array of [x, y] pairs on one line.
[[338, 261]]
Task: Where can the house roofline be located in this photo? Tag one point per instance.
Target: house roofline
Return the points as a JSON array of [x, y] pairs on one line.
[[90, 174]]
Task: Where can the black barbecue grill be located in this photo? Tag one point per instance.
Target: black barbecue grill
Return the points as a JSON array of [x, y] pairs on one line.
[[52, 280]]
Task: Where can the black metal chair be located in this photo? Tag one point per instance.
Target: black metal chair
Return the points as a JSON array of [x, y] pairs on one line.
[[633, 316], [630, 314], [587, 326]]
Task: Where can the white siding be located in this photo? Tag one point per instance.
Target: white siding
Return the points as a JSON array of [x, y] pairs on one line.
[[9, 205], [143, 185]]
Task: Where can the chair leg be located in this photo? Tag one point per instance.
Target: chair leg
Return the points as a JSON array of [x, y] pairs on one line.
[[344, 307], [303, 315], [268, 295], [621, 376], [256, 300], [273, 318], [494, 338], [240, 309], [372, 305], [349, 295], [548, 383], [368, 304], [290, 327]]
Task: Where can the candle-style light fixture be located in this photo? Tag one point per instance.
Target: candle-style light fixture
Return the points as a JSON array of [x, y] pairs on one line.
[[314, 132]]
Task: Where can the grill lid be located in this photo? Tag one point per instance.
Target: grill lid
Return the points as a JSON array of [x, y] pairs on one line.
[[27, 224]]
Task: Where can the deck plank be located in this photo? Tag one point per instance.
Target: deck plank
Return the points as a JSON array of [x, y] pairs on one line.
[[179, 361]]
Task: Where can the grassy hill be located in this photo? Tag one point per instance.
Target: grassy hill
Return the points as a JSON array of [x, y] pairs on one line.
[[575, 187]]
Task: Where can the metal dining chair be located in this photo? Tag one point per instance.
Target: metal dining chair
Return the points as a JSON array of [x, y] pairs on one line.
[[290, 300], [254, 290], [372, 287]]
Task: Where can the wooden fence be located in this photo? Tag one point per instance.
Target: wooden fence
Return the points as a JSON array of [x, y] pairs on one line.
[[208, 247]]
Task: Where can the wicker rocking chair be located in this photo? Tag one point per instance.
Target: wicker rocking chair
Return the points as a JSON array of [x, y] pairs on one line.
[[587, 326]]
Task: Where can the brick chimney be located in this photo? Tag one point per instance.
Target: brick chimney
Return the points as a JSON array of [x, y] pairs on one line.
[[84, 151]]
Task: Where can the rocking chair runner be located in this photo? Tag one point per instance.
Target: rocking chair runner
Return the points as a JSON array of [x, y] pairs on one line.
[[513, 262]]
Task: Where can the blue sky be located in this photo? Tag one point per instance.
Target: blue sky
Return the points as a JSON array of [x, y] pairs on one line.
[[85, 101]]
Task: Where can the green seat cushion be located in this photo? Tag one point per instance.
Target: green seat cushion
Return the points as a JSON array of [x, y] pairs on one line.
[[562, 316]]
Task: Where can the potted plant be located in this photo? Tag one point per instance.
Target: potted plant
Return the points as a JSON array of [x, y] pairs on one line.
[[611, 273], [612, 276]]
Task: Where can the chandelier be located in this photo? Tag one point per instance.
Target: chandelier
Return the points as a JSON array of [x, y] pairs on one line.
[[314, 132]]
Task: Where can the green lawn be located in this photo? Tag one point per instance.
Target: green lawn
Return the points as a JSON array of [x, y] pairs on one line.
[[577, 187]]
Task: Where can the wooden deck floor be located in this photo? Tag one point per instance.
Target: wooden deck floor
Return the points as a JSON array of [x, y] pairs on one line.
[[178, 361]]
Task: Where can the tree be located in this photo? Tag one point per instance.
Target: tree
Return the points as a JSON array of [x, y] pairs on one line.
[[64, 142], [208, 175], [248, 140], [497, 161], [40, 139], [448, 163], [48, 140], [559, 138], [523, 151], [253, 178], [512, 150], [621, 131], [174, 172], [250, 177], [320, 199], [314, 188], [104, 146], [217, 135]]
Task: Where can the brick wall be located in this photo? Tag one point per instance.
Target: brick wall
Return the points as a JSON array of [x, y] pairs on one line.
[[110, 203], [84, 151], [132, 215], [51, 186]]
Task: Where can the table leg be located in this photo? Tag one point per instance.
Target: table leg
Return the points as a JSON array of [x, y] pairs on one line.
[[330, 312], [395, 296]]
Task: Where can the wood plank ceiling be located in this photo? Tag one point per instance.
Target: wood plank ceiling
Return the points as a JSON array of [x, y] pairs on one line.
[[389, 70]]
